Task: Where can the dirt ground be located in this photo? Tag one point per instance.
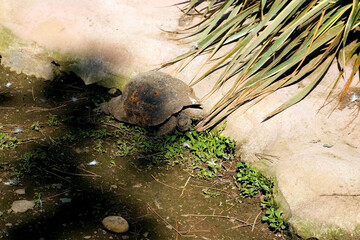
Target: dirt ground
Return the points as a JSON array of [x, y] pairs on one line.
[[76, 179]]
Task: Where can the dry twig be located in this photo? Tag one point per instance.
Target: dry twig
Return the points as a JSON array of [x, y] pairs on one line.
[[164, 183], [182, 192], [7, 108], [39, 109], [217, 216], [216, 189], [78, 174], [340, 195], [57, 175], [253, 226], [21, 141], [163, 219], [83, 169], [32, 93], [50, 197], [112, 125]]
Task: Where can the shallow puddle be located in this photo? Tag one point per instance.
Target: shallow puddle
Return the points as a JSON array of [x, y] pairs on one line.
[[76, 178]]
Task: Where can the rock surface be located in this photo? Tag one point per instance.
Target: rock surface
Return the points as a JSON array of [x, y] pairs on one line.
[[115, 224], [318, 186], [21, 206]]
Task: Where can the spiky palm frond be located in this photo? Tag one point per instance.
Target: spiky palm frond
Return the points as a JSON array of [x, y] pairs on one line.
[[274, 44]]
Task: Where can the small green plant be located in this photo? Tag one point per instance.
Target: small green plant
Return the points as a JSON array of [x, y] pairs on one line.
[[99, 146], [66, 139], [27, 163], [7, 141], [124, 149], [112, 163], [53, 120], [250, 183], [210, 193], [15, 178], [30, 159], [35, 126], [38, 200], [274, 219], [97, 133]]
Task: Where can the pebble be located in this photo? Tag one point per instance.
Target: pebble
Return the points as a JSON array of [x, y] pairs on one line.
[[115, 224], [8, 225], [65, 200], [78, 150], [87, 237], [22, 206], [56, 185], [20, 191], [327, 145]]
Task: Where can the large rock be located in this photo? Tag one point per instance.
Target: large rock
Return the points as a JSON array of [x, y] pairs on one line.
[[313, 154], [107, 42]]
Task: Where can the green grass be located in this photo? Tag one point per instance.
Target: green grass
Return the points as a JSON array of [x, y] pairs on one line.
[[53, 120], [201, 153]]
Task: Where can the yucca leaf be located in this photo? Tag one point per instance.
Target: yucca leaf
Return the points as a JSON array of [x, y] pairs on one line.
[[305, 91], [270, 40]]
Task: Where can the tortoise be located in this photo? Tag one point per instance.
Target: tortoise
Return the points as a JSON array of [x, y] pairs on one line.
[[156, 99]]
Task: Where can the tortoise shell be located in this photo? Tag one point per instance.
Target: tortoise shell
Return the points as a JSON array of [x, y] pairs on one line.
[[150, 98]]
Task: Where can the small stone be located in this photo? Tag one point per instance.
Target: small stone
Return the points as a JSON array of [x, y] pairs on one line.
[[113, 186], [87, 237], [22, 206], [56, 185], [78, 150], [327, 145], [139, 185], [20, 191], [65, 200], [8, 225], [115, 224]]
